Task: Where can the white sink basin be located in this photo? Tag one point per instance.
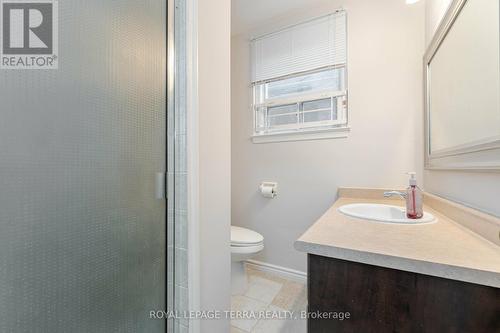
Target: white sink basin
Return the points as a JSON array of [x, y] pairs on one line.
[[383, 213]]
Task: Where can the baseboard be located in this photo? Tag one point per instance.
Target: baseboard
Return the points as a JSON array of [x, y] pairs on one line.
[[280, 271]]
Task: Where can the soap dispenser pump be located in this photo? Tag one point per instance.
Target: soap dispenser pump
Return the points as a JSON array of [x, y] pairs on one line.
[[414, 209]]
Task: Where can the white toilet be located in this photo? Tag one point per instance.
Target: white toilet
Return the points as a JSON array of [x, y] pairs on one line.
[[245, 244]]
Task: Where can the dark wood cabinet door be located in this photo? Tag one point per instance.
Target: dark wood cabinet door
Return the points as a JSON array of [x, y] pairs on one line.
[[387, 300]]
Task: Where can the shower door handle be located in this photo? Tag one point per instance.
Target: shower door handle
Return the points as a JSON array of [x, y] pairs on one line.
[[161, 185]]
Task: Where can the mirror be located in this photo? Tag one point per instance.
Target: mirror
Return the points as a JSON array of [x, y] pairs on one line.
[[462, 76]]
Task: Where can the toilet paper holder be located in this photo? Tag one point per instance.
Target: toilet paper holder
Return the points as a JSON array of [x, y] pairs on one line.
[[269, 189]]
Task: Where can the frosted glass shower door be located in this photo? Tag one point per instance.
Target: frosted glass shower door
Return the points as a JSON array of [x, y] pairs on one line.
[[82, 232]]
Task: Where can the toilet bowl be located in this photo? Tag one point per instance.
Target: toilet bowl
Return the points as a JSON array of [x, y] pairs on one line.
[[245, 244]]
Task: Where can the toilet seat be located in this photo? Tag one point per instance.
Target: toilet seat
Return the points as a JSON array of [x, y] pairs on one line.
[[245, 244], [242, 237]]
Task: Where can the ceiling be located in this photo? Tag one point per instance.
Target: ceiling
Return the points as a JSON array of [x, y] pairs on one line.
[[248, 14]]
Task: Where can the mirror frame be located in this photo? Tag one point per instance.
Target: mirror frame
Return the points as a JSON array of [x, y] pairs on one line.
[[482, 155]]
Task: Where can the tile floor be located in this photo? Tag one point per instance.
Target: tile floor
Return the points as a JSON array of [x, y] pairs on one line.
[[267, 292]]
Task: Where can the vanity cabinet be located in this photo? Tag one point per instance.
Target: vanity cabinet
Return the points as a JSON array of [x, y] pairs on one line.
[[381, 299]]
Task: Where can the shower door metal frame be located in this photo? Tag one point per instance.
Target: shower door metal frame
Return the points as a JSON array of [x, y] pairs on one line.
[[170, 79]]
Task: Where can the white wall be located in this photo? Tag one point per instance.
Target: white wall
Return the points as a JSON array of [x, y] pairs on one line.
[[480, 190], [434, 12], [386, 44], [213, 161]]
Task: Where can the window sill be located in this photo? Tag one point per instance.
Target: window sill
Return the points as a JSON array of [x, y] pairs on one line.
[[331, 133]]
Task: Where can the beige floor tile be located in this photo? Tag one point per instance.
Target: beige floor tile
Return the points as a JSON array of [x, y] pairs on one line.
[[295, 326], [290, 295], [272, 293], [242, 303], [273, 325], [270, 325], [268, 276], [237, 330], [262, 289]]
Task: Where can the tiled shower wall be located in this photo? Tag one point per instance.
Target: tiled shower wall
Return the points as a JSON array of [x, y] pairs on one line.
[[177, 177]]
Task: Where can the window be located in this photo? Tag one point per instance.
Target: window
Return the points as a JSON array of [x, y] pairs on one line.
[[299, 79], [301, 102]]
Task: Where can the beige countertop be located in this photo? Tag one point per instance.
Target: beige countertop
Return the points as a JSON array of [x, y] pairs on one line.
[[443, 249]]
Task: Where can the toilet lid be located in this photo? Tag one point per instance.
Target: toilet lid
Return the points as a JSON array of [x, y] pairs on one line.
[[241, 237]]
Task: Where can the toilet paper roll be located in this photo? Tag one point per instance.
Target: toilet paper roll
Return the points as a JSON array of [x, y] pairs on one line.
[[267, 191]]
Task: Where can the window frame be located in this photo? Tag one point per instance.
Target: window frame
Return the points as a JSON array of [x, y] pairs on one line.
[[338, 128]]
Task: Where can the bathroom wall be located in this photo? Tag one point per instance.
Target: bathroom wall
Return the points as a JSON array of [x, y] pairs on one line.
[[386, 45], [434, 12], [480, 190], [213, 161]]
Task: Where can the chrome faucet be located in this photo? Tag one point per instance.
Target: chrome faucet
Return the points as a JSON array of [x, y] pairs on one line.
[[389, 194]]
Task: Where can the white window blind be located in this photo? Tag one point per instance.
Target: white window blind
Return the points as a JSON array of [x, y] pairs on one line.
[[300, 81], [304, 47]]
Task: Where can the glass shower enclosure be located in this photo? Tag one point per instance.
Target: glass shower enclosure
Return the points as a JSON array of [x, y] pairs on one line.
[[83, 159]]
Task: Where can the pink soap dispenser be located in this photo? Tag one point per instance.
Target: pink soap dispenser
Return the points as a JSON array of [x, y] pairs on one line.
[[414, 209]]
